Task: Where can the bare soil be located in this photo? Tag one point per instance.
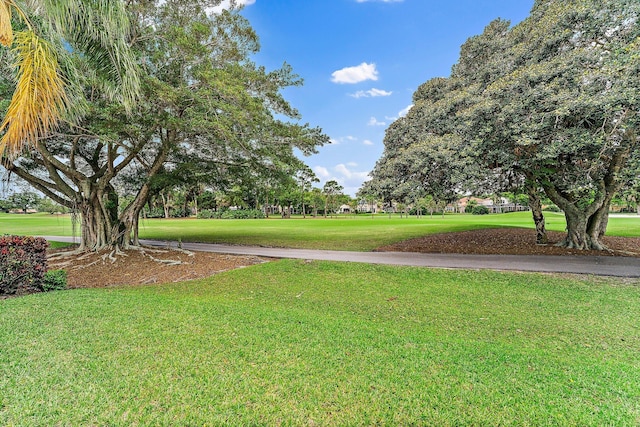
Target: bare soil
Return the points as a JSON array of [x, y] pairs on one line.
[[147, 266], [150, 266]]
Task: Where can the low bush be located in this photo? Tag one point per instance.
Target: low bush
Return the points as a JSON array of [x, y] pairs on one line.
[[54, 280], [23, 264], [480, 210], [156, 212], [242, 214], [207, 214], [552, 208]]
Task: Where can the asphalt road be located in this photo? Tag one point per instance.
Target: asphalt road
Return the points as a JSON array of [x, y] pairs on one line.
[[594, 265]]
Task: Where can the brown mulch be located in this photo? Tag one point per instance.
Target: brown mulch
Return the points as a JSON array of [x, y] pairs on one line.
[[135, 267], [508, 241], [143, 267]]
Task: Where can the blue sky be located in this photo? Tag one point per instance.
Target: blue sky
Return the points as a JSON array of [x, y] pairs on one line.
[[361, 61]]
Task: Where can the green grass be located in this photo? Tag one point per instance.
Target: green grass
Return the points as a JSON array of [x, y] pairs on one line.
[[358, 233], [318, 343]]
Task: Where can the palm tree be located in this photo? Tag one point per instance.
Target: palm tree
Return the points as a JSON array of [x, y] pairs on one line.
[[48, 41]]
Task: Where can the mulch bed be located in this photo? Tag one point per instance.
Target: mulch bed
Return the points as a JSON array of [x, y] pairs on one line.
[[508, 241]]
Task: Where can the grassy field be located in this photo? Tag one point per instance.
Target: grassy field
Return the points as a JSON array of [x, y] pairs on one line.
[[359, 233], [318, 343]]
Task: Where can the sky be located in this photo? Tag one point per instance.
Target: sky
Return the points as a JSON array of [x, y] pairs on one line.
[[361, 61]]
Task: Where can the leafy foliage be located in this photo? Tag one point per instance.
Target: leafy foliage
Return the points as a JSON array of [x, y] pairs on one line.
[[480, 210], [208, 116], [23, 264], [43, 37], [54, 280], [551, 102]]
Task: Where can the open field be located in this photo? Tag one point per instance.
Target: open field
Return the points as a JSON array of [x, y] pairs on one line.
[[356, 233], [317, 343], [321, 343]]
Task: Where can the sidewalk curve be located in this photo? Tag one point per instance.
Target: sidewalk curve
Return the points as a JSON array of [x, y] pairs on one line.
[[595, 265]]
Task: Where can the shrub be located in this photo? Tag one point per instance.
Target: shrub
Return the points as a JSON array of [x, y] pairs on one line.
[[179, 213], [207, 214], [54, 280], [242, 214], [155, 212], [23, 264], [480, 210], [552, 208]]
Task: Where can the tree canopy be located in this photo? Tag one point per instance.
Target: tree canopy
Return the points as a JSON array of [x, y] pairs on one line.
[[46, 39], [552, 101], [207, 113]]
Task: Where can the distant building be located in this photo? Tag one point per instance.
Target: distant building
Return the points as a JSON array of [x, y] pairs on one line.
[[502, 207]]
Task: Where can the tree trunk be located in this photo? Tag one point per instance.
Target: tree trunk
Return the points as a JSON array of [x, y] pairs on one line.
[[538, 218], [597, 226], [165, 206], [584, 226], [100, 224], [577, 237], [195, 204]]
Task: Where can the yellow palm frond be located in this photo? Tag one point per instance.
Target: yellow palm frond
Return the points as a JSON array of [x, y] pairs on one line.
[[39, 100], [6, 32]]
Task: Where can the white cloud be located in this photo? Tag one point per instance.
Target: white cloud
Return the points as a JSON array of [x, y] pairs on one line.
[[321, 172], [371, 93], [405, 111], [350, 179], [346, 175], [342, 139], [357, 74], [226, 4], [367, 142], [401, 113], [374, 122], [343, 170]]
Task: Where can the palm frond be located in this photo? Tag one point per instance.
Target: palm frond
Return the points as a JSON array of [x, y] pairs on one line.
[[39, 100], [6, 32], [99, 30]]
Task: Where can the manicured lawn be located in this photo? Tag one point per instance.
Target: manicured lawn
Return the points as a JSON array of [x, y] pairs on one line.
[[318, 343], [359, 233]]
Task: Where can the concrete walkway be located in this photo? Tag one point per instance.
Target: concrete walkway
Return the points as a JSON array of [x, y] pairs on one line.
[[596, 265]]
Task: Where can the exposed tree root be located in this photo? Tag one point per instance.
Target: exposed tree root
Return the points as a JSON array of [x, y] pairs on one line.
[[586, 246], [60, 260], [184, 251], [65, 254]]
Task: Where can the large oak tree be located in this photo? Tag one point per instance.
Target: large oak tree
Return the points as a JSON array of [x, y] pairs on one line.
[[204, 105], [552, 101]]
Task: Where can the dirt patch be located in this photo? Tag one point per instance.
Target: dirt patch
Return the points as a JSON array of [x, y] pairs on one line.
[[135, 267], [508, 241]]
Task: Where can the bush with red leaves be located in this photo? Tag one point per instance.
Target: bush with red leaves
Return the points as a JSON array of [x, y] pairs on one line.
[[23, 264]]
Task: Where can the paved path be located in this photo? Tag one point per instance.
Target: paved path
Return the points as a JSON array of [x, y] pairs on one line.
[[596, 265]]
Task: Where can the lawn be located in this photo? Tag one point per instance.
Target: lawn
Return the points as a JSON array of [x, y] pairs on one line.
[[357, 233], [319, 343]]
